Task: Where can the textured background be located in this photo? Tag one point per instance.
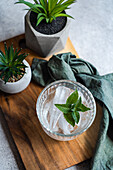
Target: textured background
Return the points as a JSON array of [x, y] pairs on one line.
[[92, 36]]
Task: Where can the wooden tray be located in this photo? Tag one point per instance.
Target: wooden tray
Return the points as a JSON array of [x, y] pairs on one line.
[[37, 150]]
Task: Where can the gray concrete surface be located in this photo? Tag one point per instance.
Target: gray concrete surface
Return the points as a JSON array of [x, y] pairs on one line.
[[92, 36], [7, 160], [92, 32]]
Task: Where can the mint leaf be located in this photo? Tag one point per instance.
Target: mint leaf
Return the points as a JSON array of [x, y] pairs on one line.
[[69, 119], [76, 116], [83, 108], [78, 103], [72, 107], [65, 108], [72, 98]]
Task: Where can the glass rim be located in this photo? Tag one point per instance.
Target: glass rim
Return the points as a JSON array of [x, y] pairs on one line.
[[73, 83]]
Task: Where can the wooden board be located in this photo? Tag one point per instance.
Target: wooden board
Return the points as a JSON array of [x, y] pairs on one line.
[[37, 150]]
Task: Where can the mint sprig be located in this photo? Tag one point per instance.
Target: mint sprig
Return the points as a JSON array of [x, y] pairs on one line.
[[72, 108]]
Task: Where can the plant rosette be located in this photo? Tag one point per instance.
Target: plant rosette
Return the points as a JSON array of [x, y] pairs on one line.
[[45, 45], [20, 85], [42, 43]]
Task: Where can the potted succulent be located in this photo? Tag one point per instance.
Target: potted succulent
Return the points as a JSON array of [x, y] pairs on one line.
[[47, 25], [15, 72]]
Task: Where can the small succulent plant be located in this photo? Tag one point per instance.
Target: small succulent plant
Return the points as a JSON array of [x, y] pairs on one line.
[[11, 63], [48, 9]]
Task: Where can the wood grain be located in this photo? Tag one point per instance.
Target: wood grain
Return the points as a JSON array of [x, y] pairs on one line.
[[37, 150]]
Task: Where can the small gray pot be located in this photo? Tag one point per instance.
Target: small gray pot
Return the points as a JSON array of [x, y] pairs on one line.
[[45, 45]]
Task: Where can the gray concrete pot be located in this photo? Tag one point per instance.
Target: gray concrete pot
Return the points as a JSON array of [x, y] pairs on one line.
[[18, 86], [45, 45]]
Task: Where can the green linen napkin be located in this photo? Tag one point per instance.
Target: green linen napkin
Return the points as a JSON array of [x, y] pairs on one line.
[[67, 66]]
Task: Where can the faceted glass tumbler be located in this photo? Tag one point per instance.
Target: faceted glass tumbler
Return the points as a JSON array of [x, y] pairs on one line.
[[87, 118]]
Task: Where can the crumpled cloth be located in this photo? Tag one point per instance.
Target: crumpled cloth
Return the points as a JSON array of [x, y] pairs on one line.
[[67, 66]]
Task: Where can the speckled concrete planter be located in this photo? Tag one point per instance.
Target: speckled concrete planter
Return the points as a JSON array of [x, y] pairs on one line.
[[20, 85], [45, 45]]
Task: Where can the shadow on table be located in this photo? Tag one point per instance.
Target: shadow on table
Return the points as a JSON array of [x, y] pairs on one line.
[[85, 165], [11, 142]]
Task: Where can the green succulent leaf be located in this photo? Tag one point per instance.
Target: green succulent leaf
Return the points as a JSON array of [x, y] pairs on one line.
[[35, 1], [68, 3], [60, 2], [63, 15], [53, 17], [21, 57], [39, 20], [53, 5], [1, 75], [6, 53], [57, 10], [48, 9], [2, 56], [40, 14], [11, 53], [3, 64], [49, 5], [16, 53], [3, 68], [35, 7], [47, 20], [8, 76], [11, 63]]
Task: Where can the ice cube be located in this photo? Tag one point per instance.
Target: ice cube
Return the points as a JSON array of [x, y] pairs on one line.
[[64, 125], [60, 97], [45, 113], [47, 116]]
